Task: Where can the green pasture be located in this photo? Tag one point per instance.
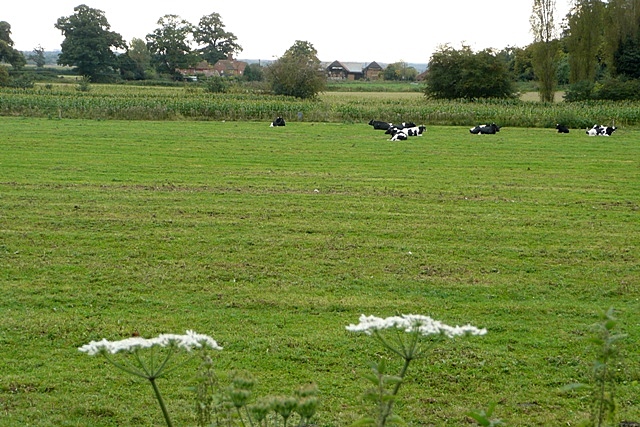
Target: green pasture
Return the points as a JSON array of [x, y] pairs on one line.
[[273, 240]]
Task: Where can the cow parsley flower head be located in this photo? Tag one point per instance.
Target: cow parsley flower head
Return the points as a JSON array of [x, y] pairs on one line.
[[187, 342], [423, 325]]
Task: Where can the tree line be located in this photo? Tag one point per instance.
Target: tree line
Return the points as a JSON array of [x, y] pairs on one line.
[[595, 51]]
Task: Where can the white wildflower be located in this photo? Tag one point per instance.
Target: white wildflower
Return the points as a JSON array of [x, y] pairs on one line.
[[188, 342], [424, 325]]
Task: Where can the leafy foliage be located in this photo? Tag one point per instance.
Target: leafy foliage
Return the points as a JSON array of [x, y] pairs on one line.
[[626, 59], [216, 42], [400, 71], [297, 73], [605, 340], [136, 62], [7, 52], [463, 74], [216, 84], [253, 73], [89, 43], [38, 56], [583, 36], [545, 48], [170, 46]]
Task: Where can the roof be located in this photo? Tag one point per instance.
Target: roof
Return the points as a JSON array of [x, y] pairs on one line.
[[353, 67], [229, 65]]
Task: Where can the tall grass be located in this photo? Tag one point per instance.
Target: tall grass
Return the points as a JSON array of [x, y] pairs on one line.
[[145, 103]]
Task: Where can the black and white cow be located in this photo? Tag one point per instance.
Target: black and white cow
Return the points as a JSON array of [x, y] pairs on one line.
[[598, 130], [488, 129], [401, 126], [562, 128], [397, 134], [279, 121], [414, 130], [402, 134], [377, 124], [405, 125]]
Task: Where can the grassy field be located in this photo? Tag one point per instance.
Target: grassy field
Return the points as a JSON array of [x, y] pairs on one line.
[[272, 240]]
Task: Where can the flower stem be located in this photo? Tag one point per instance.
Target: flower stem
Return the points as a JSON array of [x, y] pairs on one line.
[[156, 390], [387, 409]]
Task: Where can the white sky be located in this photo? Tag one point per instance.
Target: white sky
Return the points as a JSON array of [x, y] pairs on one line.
[[348, 31]]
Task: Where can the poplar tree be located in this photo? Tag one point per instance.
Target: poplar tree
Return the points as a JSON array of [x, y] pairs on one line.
[[545, 48], [584, 39], [621, 30]]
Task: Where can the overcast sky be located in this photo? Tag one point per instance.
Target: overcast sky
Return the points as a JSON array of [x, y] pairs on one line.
[[348, 31]]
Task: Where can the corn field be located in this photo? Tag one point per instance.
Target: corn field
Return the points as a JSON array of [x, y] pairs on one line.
[[154, 103]]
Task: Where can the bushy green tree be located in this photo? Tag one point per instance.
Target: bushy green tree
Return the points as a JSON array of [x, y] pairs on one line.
[[89, 43], [400, 71], [297, 73], [216, 42], [522, 65], [621, 23], [626, 59], [4, 76], [38, 56], [253, 73], [7, 53], [170, 45], [464, 74], [138, 52]]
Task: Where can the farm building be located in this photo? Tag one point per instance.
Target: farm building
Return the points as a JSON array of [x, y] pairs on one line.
[[337, 70], [224, 68], [230, 67]]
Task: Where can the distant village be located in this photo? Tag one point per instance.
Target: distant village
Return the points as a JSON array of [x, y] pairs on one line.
[[336, 70]]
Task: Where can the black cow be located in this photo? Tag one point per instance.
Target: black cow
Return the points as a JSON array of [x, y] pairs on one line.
[[377, 124], [488, 129], [279, 121], [598, 130], [562, 128]]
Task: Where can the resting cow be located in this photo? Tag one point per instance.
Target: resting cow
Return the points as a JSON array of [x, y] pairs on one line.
[[279, 121], [562, 128], [397, 134], [377, 124], [488, 129], [598, 130], [402, 134]]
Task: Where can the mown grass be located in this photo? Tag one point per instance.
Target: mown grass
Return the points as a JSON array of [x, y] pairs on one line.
[[272, 240]]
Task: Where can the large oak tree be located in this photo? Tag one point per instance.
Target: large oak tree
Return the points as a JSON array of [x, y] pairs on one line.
[[7, 52], [170, 45], [216, 42], [89, 44]]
